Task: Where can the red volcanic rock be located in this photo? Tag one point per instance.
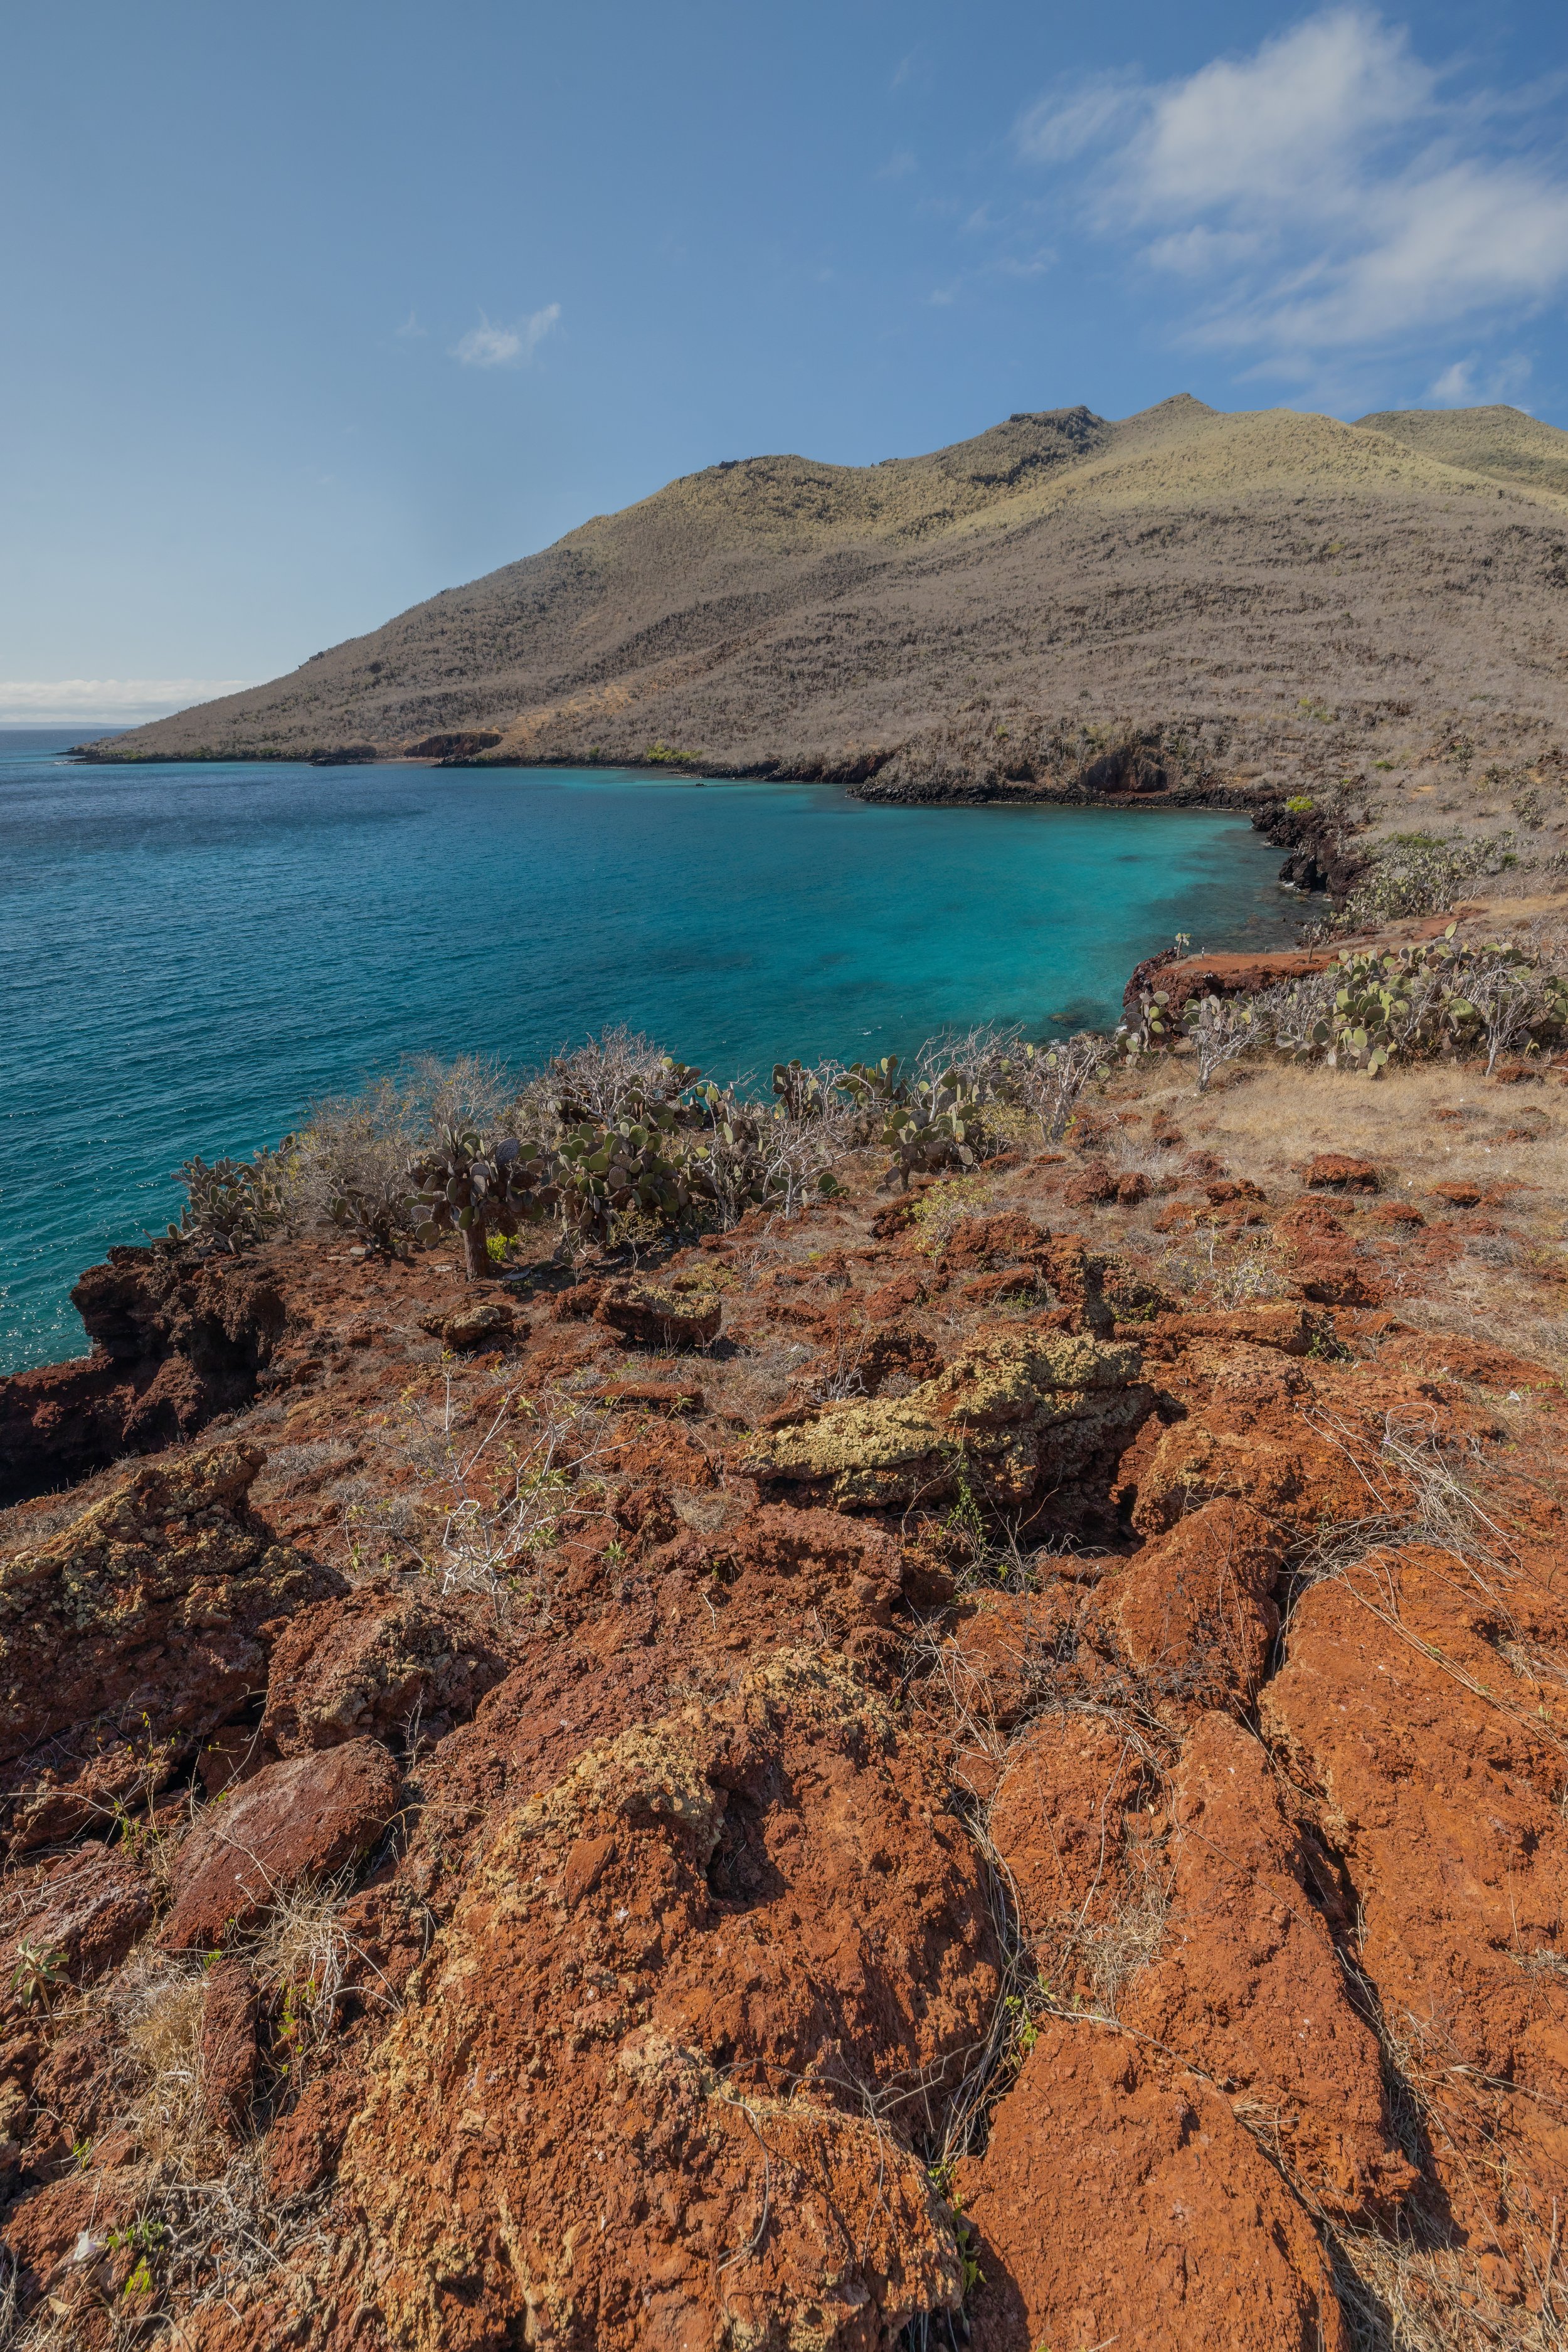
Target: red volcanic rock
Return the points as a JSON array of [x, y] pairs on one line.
[[1181, 977], [1247, 1986], [1096, 1185], [1226, 1188], [1290, 1328], [1425, 1703], [1116, 2204], [129, 1635], [1056, 1820], [890, 1300], [58, 2238], [301, 2150], [1196, 1608], [229, 2057], [298, 1821], [988, 1243], [174, 1340], [1459, 1192], [1271, 1460], [652, 1396], [381, 1661], [577, 1303], [87, 1914], [672, 1973], [1339, 1171]]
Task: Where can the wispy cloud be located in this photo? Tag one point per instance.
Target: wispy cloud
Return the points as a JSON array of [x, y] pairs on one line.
[[1321, 195], [62, 701], [488, 345], [410, 330], [1467, 382]]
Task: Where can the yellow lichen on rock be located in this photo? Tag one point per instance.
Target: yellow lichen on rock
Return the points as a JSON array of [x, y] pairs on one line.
[[1018, 1403]]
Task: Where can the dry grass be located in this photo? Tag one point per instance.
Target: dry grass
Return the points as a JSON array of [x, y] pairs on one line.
[[1398, 2296], [1276, 1118]]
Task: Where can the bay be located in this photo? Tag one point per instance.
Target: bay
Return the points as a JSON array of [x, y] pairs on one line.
[[189, 953]]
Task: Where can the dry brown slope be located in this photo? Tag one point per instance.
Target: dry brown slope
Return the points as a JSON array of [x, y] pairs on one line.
[[775, 612]]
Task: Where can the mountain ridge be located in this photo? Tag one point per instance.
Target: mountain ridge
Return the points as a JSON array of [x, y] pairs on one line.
[[1182, 570]]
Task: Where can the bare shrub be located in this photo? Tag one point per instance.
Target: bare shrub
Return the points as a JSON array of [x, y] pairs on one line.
[[1510, 1002], [599, 1082], [1051, 1080], [986, 1058], [351, 1160], [1219, 1028], [496, 1491]]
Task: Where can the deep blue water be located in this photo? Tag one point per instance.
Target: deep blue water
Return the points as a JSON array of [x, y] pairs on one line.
[[188, 953]]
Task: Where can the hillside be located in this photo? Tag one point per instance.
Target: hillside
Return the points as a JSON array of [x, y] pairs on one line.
[[1276, 595]]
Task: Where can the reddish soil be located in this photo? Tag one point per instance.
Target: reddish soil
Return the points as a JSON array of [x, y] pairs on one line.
[[890, 1777]]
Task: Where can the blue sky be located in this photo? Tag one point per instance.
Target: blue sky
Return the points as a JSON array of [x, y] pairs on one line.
[[311, 311]]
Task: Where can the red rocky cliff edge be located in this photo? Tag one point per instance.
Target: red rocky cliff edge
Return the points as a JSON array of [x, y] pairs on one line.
[[996, 1777]]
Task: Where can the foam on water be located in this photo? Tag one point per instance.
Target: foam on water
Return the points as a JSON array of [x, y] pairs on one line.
[[187, 954]]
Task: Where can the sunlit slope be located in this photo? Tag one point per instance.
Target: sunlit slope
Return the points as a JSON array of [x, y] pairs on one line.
[[779, 612], [1499, 442]]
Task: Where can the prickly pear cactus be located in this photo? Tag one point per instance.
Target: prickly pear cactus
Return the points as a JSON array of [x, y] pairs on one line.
[[938, 1125], [467, 1185], [642, 1161], [234, 1203]]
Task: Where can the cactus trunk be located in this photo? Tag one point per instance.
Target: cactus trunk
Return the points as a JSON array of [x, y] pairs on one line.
[[475, 1257]]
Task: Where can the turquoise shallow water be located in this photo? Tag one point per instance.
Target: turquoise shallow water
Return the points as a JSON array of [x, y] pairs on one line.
[[188, 953]]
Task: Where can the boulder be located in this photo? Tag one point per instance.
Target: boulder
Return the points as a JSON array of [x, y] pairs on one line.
[[175, 1340], [1427, 1704], [1016, 1407], [231, 2004], [1196, 1608], [380, 1662], [1120, 2202], [1056, 1820], [480, 1324], [85, 1917], [779, 1910], [297, 1821], [1247, 1986], [1337, 1171], [683, 1313]]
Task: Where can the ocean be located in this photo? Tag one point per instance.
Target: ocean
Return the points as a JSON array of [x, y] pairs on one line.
[[189, 954]]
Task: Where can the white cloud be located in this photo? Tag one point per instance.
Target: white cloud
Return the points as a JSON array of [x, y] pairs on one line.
[[1320, 193], [488, 346], [411, 329], [1468, 383], [1026, 264], [62, 701], [1076, 116]]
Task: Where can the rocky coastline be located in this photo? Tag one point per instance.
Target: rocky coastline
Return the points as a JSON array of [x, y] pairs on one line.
[[978, 1763]]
